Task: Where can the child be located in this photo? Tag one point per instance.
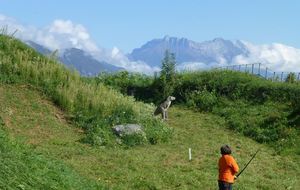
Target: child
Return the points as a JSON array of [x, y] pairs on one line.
[[227, 169]]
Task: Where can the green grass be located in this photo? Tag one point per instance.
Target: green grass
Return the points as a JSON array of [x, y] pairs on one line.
[[32, 119]]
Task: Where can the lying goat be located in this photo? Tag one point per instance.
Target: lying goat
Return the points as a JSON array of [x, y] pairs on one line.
[[163, 108]]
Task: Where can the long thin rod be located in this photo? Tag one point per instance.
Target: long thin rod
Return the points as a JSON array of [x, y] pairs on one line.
[[247, 164]]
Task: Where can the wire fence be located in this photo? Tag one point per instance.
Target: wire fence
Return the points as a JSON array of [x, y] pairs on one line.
[[260, 70]]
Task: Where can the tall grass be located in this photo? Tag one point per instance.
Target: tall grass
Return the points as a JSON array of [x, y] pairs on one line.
[[90, 105]]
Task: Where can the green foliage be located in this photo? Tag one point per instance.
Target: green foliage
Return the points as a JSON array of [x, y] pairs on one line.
[[89, 103], [142, 87], [159, 134], [236, 85], [165, 83], [132, 84], [167, 73], [203, 100], [134, 139], [96, 133]]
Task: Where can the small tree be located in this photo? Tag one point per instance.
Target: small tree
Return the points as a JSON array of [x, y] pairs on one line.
[[291, 78], [165, 83]]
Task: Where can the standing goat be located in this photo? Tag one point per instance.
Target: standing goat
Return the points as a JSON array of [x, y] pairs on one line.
[[163, 108]]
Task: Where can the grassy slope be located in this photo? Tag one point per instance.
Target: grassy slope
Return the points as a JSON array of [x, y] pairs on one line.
[[93, 107], [32, 119], [21, 167]]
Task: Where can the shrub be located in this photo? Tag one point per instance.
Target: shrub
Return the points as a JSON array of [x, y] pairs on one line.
[[134, 139], [132, 84], [158, 134], [203, 100]]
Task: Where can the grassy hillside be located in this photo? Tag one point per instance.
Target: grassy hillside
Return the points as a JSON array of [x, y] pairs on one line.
[[266, 111], [21, 167], [30, 118], [93, 107]]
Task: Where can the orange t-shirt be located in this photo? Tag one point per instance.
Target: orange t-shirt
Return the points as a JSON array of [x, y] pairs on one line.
[[227, 168]]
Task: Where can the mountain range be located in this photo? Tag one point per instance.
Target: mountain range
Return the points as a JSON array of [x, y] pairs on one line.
[[217, 50], [189, 55], [213, 51]]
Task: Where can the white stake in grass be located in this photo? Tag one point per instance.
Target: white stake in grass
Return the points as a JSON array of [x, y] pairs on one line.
[[190, 154]]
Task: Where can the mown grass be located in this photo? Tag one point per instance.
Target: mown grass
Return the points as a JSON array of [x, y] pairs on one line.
[[32, 119]]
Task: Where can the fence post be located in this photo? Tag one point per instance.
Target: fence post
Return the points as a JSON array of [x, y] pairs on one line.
[[281, 76], [274, 76], [252, 68], [298, 76], [239, 67], [259, 68], [266, 75], [246, 68]]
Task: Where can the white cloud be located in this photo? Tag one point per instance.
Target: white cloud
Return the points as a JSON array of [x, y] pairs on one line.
[[119, 59], [63, 34], [60, 34], [192, 66], [276, 56]]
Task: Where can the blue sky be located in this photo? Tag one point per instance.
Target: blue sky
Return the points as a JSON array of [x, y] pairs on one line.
[[129, 24]]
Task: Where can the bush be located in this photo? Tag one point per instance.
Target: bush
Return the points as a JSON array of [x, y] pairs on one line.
[[131, 84], [158, 134], [134, 139], [203, 100]]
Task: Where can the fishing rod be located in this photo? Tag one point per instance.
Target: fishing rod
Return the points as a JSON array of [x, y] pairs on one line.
[[247, 164]]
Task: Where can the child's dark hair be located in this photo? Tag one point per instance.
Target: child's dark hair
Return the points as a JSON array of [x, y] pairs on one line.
[[225, 149]]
